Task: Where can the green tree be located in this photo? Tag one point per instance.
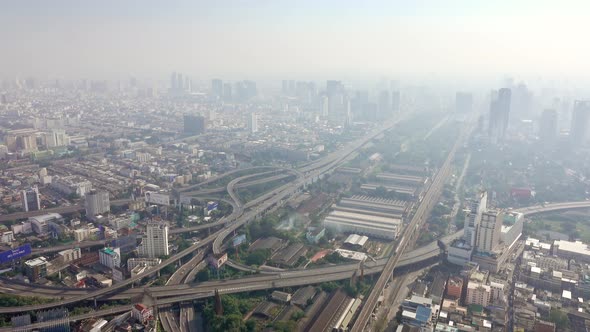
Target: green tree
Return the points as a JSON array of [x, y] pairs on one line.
[[559, 318]]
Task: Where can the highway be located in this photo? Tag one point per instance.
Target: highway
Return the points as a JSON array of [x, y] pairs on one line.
[[314, 171], [408, 236], [416, 255], [306, 175], [290, 278]]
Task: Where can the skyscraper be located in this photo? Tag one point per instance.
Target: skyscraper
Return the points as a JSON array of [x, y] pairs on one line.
[[173, 82], [217, 87], [473, 216], [499, 115], [253, 122], [324, 107], [463, 102], [30, 199], [548, 125], [227, 93], [97, 202], [155, 242], [579, 131], [384, 105], [490, 228], [395, 101]]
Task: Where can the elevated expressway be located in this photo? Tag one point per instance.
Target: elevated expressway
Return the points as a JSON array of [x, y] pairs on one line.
[[180, 293], [312, 172]]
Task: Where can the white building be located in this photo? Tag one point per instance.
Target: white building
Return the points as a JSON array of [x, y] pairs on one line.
[[253, 122], [85, 233], [511, 232], [473, 218], [478, 293], [149, 262], [110, 257], [70, 255], [364, 224], [97, 202], [155, 243], [30, 199], [40, 224], [490, 229], [576, 250], [71, 185], [7, 237]]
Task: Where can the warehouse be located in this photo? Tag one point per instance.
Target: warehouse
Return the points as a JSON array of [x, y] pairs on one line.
[[375, 204], [363, 224]]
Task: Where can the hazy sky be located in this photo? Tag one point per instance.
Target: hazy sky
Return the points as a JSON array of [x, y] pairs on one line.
[[294, 39]]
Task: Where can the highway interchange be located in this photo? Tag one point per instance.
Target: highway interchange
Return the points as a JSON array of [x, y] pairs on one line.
[[180, 287]]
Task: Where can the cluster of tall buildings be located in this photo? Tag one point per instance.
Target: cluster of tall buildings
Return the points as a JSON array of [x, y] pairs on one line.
[[488, 235], [241, 91], [180, 83]]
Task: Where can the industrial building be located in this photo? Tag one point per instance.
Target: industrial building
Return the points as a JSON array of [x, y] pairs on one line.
[[373, 205], [364, 224]]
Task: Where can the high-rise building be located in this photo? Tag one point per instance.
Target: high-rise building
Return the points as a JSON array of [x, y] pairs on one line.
[[395, 101], [155, 242], [333, 87], [579, 131], [472, 218], [499, 115], [217, 87], [21, 140], [478, 293], [324, 107], [173, 82], [489, 232], [548, 125], [463, 102], [227, 93], [180, 83], [384, 105], [56, 138], [30, 199], [194, 124], [253, 122], [97, 202]]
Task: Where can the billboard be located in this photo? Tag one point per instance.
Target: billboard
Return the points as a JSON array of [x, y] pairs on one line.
[[14, 254], [211, 206], [156, 198]]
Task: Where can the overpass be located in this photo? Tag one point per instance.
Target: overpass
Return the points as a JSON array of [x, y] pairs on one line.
[[287, 279], [315, 170]]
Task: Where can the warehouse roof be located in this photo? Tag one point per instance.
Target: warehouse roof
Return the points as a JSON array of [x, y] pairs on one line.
[[356, 240]]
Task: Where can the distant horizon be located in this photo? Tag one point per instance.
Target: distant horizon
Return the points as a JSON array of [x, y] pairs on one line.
[[307, 40]]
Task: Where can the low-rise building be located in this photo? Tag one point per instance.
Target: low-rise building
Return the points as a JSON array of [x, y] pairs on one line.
[[572, 250], [455, 287], [70, 255], [36, 269], [110, 257]]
